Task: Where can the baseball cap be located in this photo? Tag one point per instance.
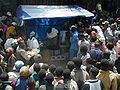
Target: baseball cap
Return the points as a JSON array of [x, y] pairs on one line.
[[105, 23], [12, 76]]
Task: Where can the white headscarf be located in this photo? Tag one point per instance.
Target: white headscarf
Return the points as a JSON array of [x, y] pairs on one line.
[[32, 34]]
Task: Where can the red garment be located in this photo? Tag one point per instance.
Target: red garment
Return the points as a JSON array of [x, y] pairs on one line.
[[5, 28]]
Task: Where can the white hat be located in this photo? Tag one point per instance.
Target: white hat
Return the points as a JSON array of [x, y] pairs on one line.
[[12, 76], [9, 14], [32, 34], [73, 26], [18, 65], [14, 23], [53, 33]]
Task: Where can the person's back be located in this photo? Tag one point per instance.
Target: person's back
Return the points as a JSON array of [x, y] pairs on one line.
[[69, 83], [58, 79], [30, 84], [20, 82], [96, 53], [108, 78], [49, 79], [78, 74], [93, 83]]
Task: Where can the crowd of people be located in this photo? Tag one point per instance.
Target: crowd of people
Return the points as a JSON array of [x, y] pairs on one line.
[[93, 60]]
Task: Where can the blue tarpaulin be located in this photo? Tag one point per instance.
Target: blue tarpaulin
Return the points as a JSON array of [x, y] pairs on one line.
[[39, 18]]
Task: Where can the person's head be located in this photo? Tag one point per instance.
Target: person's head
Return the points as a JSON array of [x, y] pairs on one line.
[[66, 74], [97, 45], [105, 24], [93, 38], [93, 34], [45, 66], [32, 34], [78, 62], [52, 68], [110, 46], [18, 65], [89, 61], [83, 50], [114, 40], [112, 26], [70, 65], [49, 30], [11, 35], [49, 78], [88, 68], [81, 36], [31, 83], [119, 36], [21, 44], [24, 72], [38, 58], [73, 28], [104, 64], [93, 72], [111, 65], [106, 55], [12, 76], [9, 51], [42, 74], [4, 76], [7, 22], [59, 72], [36, 67]]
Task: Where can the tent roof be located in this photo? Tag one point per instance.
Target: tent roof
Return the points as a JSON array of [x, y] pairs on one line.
[[49, 11]]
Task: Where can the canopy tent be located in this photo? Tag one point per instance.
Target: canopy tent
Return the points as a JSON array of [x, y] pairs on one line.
[[44, 11], [39, 18]]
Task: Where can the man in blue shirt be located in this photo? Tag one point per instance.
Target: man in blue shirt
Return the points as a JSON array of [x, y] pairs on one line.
[[73, 42]]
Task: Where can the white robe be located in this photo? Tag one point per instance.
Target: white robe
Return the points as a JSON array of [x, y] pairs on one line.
[[33, 43]]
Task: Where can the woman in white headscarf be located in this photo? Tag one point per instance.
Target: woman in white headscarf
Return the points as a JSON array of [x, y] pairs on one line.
[[33, 42]]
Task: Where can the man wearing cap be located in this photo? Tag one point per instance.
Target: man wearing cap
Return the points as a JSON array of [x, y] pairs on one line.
[[33, 42], [73, 42]]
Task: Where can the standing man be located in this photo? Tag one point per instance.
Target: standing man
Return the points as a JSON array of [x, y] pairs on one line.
[[108, 78], [73, 42]]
